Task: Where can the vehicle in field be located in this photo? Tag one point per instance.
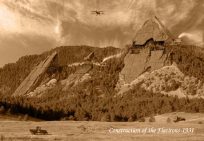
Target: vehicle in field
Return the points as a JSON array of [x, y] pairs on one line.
[[179, 119], [38, 131]]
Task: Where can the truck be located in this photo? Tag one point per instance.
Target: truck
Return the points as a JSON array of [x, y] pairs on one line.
[[38, 131]]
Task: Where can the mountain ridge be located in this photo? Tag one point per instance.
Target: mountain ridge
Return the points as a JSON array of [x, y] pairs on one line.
[[63, 92]]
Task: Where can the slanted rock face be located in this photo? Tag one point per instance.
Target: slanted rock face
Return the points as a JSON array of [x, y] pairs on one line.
[[148, 50], [34, 77], [136, 64], [77, 77], [152, 29]]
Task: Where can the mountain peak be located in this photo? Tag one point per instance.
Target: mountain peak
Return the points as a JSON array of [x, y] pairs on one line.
[[154, 29]]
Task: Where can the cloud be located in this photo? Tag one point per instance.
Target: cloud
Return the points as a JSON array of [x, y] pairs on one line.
[[193, 19], [13, 46], [195, 37], [128, 16], [70, 22], [24, 18], [7, 19], [82, 34]]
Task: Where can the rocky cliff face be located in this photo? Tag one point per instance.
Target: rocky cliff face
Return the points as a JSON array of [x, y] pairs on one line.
[[136, 64], [168, 80], [152, 29], [153, 73], [65, 68], [32, 74], [34, 77]]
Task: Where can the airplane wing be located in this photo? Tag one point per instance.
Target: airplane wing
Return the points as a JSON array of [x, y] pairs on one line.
[[97, 12]]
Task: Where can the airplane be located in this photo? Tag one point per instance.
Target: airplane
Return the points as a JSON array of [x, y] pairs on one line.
[[97, 12]]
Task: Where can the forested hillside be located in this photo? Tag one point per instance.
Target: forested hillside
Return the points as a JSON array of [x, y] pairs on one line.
[[133, 106], [11, 75], [189, 59], [96, 97]]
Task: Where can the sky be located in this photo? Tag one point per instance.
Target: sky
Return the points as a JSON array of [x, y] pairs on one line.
[[33, 26]]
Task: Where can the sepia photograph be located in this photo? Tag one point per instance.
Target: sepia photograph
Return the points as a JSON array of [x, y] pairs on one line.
[[101, 70]]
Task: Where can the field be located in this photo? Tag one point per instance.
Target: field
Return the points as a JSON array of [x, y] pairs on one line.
[[190, 130]]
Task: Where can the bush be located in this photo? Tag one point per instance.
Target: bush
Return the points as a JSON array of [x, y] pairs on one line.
[[2, 110], [152, 119], [142, 119], [9, 111], [112, 117], [25, 118], [64, 119], [106, 118], [71, 117], [200, 122], [168, 120], [2, 138], [19, 118], [131, 119]]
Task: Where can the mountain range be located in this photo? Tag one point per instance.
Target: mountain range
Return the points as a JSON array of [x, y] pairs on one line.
[[88, 83]]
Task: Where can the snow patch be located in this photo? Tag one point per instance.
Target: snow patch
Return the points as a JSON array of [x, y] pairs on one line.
[[112, 57], [83, 63]]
